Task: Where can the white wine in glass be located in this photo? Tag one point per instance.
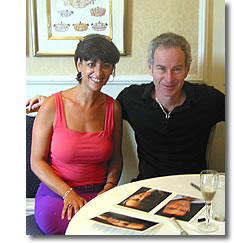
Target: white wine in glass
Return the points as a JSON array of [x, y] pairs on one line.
[[208, 185]]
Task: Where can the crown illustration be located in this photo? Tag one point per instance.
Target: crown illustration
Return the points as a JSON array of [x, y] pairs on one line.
[[81, 26], [61, 27], [78, 3], [99, 26], [98, 12], [65, 13]]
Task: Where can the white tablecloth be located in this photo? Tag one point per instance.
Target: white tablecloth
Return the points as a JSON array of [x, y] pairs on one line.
[[180, 184]]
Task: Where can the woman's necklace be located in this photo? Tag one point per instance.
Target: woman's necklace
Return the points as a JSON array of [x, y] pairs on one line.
[[167, 114]]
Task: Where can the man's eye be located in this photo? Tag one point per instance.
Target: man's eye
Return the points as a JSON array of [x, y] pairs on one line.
[[161, 69], [178, 69]]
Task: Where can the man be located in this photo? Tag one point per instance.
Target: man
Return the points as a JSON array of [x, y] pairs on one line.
[[180, 205], [171, 118]]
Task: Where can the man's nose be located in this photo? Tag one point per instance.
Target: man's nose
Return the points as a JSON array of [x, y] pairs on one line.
[[169, 76]]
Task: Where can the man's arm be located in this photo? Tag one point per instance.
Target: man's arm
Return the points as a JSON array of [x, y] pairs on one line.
[[33, 104]]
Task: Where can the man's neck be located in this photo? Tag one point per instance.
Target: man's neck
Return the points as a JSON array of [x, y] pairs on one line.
[[170, 102]]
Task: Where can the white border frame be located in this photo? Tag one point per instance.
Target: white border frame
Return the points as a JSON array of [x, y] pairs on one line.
[[202, 43]]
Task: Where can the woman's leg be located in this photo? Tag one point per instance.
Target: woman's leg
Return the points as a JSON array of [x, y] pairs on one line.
[[48, 210]]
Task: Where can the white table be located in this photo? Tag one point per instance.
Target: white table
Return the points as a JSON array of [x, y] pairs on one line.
[[82, 225]]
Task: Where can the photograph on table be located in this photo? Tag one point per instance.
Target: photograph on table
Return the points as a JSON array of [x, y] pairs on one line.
[[182, 207], [124, 221], [145, 199]]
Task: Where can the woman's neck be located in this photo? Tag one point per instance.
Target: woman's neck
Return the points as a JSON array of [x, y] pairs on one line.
[[84, 98]]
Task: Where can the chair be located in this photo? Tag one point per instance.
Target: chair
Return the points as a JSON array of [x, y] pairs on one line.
[[32, 183], [209, 146]]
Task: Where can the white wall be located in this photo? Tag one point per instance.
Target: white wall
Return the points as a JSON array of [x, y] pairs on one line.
[[217, 76]]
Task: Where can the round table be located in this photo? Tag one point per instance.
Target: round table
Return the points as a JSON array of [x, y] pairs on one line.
[[177, 184]]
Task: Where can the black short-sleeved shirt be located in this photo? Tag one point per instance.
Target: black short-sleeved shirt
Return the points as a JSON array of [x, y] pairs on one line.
[[176, 145]]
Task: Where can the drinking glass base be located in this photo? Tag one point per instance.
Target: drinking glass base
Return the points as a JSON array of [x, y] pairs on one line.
[[207, 228]]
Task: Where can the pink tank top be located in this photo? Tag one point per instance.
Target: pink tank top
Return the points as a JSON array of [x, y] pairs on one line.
[[80, 158]]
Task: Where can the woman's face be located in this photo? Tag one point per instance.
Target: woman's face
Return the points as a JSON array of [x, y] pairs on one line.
[[95, 74]]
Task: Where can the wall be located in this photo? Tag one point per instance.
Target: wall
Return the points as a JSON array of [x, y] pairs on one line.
[[216, 76], [144, 20]]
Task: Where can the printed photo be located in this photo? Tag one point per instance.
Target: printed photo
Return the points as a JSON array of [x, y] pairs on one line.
[[182, 207], [124, 221], [145, 199]]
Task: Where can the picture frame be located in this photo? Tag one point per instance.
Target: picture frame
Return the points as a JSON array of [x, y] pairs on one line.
[[58, 25]]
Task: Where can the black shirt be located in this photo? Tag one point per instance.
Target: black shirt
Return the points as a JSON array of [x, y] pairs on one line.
[[176, 145]]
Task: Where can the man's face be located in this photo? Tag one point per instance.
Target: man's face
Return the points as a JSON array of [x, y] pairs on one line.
[[168, 70], [135, 200], [177, 207]]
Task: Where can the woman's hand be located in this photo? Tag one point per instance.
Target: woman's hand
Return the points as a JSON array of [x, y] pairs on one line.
[[35, 103], [72, 202], [107, 187]]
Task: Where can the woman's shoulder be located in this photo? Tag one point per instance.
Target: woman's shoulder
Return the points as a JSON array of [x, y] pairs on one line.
[[47, 112], [49, 106]]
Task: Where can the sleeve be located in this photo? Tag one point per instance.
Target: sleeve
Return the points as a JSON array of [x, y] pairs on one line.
[[214, 102]]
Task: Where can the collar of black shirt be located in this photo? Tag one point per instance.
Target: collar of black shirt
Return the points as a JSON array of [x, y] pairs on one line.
[[190, 96]]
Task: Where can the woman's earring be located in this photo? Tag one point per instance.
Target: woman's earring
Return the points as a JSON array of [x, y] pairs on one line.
[[113, 75], [110, 80]]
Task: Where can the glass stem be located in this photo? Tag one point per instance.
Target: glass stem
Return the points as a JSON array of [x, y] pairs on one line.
[[208, 211]]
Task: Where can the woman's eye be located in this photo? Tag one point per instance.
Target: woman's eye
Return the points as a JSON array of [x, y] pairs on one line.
[[107, 65], [91, 64]]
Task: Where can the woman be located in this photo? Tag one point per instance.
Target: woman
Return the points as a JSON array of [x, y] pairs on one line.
[[80, 130]]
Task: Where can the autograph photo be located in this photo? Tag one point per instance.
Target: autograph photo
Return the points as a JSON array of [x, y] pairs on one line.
[[124, 221], [182, 207], [145, 199]]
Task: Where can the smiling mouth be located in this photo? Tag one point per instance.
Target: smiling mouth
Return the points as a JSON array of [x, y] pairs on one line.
[[170, 86], [95, 80]]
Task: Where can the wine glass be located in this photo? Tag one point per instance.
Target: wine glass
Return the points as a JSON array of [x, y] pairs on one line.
[[208, 185]]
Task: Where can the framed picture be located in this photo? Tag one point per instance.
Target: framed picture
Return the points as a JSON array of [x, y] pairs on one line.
[[58, 25]]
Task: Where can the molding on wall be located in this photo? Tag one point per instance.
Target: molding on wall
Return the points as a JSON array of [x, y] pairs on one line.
[[202, 55], [70, 80]]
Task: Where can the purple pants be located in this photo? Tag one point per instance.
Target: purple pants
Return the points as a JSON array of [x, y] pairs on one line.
[[48, 210]]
